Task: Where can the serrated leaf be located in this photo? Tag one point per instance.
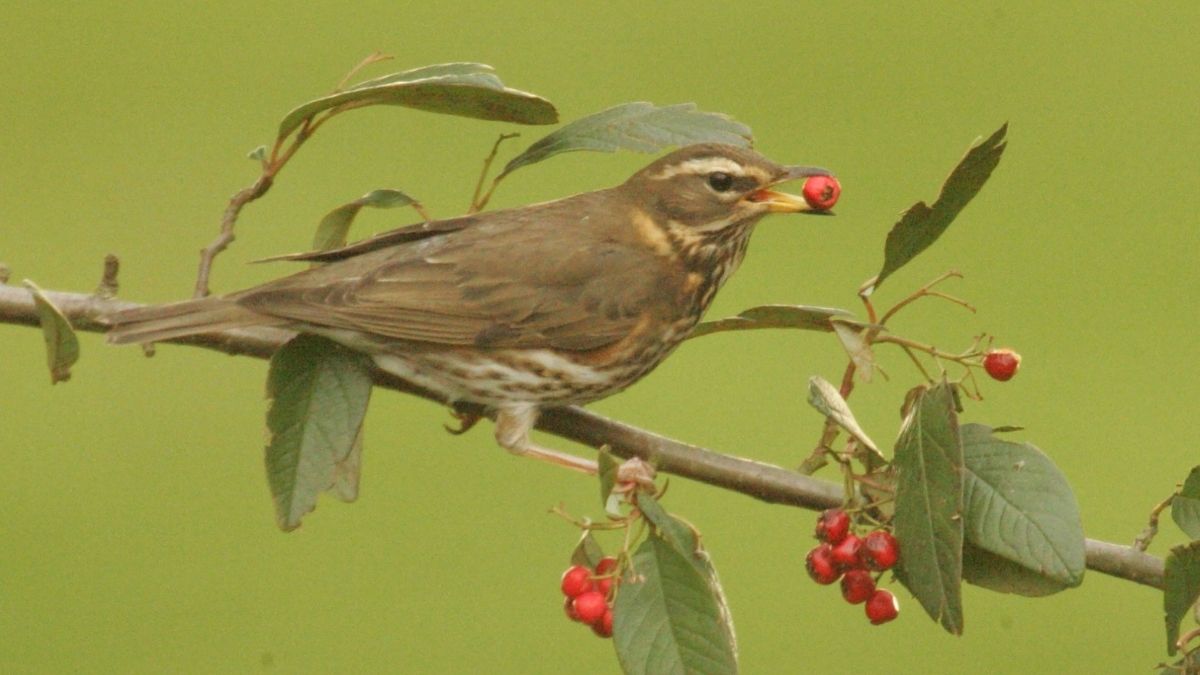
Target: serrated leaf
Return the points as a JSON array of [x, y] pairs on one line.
[[587, 552], [1181, 588], [318, 393], [1185, 506], [334, 227], [62, 346], [670, 614], [638, 126], [674, 531], [1020, 507], [774, 316], [929, 506], [829, 402], [921, 225], [988, 570], [464, 89], [856, 348]]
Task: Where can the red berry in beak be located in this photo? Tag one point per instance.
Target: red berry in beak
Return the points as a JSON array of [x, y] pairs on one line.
[[822, 192]]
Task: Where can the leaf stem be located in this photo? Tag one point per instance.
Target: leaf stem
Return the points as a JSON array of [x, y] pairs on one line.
[[476, 203]]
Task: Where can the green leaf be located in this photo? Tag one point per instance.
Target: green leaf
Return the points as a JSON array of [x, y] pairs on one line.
[[1019, 507], [1185, 506], [774, 316], [1181, 588], [608, 469], [318, 393], [587, 552], [670, 615], [929, 506], [334, 227], [921, 225], [829, 402], [258, 154], [465, 89], [988, 570], [62, 347], [639, 126]]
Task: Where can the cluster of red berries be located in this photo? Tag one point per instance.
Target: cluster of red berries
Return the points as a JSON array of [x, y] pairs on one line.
[[588, 594], [846, 556], [1001, 364]]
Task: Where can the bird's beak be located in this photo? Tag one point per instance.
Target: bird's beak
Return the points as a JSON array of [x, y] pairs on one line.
[[783, 202]]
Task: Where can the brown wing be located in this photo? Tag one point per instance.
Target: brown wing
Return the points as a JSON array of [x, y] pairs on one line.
[[510, 279]]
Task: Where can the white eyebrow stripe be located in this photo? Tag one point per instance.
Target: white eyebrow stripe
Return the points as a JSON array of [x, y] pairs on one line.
[[703, 166]]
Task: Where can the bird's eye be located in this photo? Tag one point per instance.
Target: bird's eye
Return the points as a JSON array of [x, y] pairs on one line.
[[720, 181]]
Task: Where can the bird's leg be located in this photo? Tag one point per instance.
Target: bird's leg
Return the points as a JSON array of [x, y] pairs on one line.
[[513, 425]]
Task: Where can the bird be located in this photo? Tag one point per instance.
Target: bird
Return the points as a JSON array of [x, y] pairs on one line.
[[518, 310]]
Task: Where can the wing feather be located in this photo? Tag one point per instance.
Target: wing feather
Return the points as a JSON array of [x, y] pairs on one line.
[[507, 280]]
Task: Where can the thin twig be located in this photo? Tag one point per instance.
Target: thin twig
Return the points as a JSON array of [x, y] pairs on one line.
[[922, 292], [476, 205], [766, 482], [1142, 541]]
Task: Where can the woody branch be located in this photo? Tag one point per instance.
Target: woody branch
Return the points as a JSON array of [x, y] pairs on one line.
[[762, 481]]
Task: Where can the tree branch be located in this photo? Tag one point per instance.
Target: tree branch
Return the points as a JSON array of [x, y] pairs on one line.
[[762, 481]]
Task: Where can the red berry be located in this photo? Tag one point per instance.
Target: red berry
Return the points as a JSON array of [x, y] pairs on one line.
[[569, 608], [882, 607], [577, 579], [590, 606], [820, 565], [857, 586], [880, 550], [822, 192], [833, 525], [603, 627], [606, 565], [604, 585], [845, 553], [1001, 364]]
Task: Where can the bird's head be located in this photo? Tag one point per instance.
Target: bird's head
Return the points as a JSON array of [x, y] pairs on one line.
[[709, 187]]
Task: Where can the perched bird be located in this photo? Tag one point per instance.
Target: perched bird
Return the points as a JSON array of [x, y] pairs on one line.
[[559, 303]]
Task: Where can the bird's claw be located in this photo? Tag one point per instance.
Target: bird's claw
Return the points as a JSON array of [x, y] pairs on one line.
[[465, 420]]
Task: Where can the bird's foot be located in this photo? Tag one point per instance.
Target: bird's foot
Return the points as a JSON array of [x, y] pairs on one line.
[[512, 433], [465, 421]]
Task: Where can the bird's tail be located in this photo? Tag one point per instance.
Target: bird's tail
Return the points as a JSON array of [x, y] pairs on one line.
[[180, 319]]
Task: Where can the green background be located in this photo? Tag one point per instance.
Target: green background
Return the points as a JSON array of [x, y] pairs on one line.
[[136, 532]]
